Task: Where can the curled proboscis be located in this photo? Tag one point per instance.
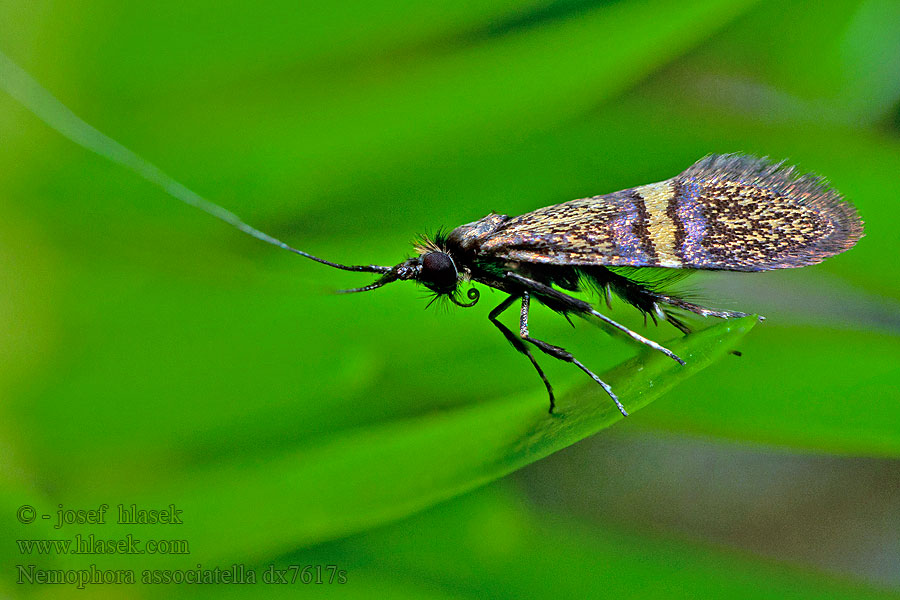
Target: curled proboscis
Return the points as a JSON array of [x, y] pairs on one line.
[[473, 295]]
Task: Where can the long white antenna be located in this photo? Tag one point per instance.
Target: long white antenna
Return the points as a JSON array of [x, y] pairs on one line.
[[32, 95]]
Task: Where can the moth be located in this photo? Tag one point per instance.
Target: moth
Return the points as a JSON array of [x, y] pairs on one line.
[[728, 212]]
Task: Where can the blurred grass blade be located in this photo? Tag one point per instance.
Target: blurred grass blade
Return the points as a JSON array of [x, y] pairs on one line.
[[494, 540], [365, 477]]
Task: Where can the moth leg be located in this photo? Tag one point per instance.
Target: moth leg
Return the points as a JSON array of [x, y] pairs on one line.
[[518, 345], [581, 307], [560, 353], [653, 303], [697, 309], [676, 322], [694, 308], [657, 306]]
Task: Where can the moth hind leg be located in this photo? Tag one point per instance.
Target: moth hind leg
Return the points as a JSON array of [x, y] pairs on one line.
[[639, 294], [646, 297], [676, 322], [671, 301], [697, 309], [664, 305]]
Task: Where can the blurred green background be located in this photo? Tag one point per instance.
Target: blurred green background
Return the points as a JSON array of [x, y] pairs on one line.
[[151, 354]]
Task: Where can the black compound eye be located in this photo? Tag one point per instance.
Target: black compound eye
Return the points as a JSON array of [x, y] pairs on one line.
[[438, 272]]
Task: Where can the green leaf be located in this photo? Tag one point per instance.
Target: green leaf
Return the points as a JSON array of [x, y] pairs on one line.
[[801, 387], [357, 479]]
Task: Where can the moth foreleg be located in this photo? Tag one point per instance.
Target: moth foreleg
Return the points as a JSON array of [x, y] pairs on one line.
[[560, 353], [517, 342]]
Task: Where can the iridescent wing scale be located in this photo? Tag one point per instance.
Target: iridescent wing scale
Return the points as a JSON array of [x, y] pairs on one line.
[[726, 212]]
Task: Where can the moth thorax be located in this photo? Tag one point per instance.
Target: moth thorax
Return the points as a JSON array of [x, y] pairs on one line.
[[438, 272]]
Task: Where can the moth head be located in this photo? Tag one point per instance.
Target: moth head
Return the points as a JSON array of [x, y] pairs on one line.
[[433, 268]]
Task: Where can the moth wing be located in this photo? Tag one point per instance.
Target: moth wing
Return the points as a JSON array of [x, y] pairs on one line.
[[608, 230], [725, 212]]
